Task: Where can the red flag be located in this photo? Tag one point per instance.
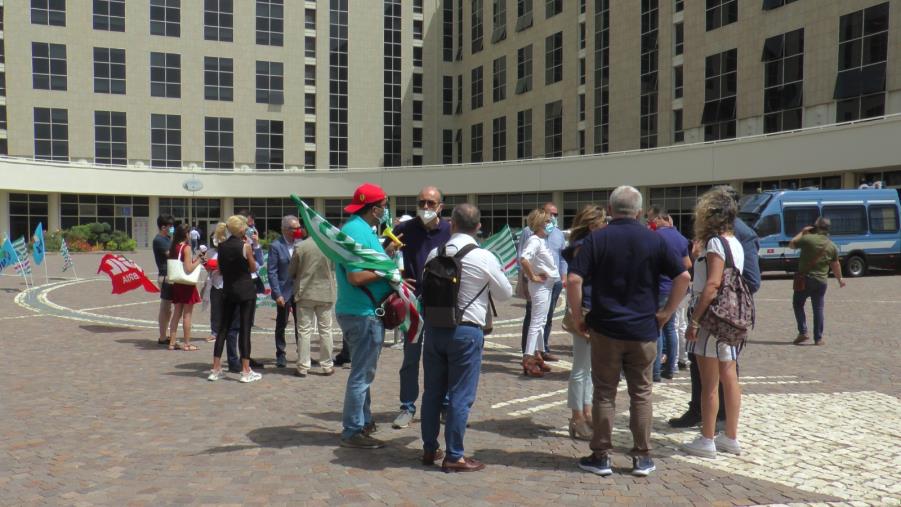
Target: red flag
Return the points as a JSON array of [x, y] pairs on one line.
[[125, 274]]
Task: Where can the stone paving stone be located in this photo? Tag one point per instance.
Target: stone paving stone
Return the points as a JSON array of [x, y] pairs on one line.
[[97, 414]]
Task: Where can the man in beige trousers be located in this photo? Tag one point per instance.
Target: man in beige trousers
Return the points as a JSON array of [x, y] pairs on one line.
[[314, 293]]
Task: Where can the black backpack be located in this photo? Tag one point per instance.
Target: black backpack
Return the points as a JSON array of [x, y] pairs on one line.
[[440, 288]]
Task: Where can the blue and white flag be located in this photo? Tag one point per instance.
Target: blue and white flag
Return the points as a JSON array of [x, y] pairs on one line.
[[67, 259], [8, 255], [23, 266], [37, 250]]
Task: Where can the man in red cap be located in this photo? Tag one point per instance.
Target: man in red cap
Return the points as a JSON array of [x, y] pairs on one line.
[[358, 292]]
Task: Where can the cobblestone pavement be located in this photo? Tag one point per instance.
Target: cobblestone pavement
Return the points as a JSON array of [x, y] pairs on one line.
[[95, 412]]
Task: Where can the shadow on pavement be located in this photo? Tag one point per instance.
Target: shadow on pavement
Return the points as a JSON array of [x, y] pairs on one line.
[[522, 427], [99, 329], [142, 343]]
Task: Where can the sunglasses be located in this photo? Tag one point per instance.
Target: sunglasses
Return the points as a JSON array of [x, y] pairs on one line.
[[422, 203]]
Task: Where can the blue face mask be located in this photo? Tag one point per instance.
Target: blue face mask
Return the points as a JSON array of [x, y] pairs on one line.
[[549, 228], [171, 230]]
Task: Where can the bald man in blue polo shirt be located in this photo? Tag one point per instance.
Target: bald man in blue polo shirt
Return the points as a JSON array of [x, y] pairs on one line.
[[624, 262]]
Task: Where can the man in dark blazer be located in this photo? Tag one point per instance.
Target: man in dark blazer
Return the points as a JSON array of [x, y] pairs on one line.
[[280, 252]]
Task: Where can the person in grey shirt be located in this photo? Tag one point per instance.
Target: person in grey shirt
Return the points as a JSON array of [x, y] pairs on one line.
[[556, 241]]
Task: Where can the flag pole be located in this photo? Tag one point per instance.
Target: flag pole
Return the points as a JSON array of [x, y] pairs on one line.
[[21, 268]]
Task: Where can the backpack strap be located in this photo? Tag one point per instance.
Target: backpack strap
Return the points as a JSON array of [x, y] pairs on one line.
[[730, 262], [462, 252]]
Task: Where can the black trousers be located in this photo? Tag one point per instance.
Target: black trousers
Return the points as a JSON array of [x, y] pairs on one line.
[[245, 311], [694, 406]]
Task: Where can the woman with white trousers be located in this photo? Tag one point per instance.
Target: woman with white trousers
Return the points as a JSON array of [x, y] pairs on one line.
[[540, 269]]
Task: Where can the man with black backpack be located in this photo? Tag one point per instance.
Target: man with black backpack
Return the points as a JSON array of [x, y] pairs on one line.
[[456, 285]]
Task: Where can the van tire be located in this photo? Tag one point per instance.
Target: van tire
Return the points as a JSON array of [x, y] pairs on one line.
[[855, 266]]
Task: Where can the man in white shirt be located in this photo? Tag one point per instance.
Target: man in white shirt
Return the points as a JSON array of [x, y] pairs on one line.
[[452, 356]]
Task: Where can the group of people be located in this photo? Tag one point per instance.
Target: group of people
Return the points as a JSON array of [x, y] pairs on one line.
[[301, 280], [639, 300]]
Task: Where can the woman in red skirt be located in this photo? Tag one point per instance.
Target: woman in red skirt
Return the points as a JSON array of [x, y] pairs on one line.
[[184, 297]]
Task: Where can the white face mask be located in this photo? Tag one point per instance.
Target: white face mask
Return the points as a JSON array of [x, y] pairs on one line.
[[426, 215]]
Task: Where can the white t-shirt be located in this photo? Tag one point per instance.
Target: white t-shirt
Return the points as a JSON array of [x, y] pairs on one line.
[[540, 257], [714, 245]]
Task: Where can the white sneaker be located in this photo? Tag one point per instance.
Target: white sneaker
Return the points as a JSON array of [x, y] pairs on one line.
[[726, 444], [216, 375], [250, 376], [701, 446]]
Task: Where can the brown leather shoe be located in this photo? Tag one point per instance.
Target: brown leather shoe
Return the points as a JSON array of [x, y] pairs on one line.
[[468, 465], [801, 339], [530, 367], [430, 457], [551, 358], [539, 362], [820, 342]]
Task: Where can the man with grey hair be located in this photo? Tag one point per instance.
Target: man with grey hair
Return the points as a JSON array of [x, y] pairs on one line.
[[624, 262], [282, 284], [452, 356]]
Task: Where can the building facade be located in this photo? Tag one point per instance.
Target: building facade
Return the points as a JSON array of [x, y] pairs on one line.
[[107, 107]]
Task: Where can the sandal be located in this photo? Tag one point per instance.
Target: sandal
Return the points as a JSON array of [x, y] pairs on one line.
[[210, 339], [189, 348], [174, 346], [163, 341]]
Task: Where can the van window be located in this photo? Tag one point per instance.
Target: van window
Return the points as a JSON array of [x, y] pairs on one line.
[[768, 225], [799, 217], [883, 218], [846, 220]]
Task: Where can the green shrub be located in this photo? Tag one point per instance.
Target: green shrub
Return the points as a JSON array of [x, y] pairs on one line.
[[112, 245], [128, 245], [53, 241], [94, 236], [270, 237]]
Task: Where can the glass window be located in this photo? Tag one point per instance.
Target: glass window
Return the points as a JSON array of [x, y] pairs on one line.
[[48, 12], [270, 82], [109, 70], [649, 73], [391, 128], [110, 138], [218, 20], [553, 58], [478, 30], [573, 202], [846, 219], [524, 69], [48, 64], [499, 11], [26, 211], [165, 75], [109, 15], [447, 31], [883, 218], [783, 57], [499, 138], [447, 94], [552, 8], [475, 144], [720, 87], [270, 152], [447, 146], [796, 218], [524, 134], [338, 83], [51, 133], [270, 22], [721, 13], [165, 140], [218, 78], [219, 143], [553, 129], [862, 50], [476, 95], [165, 17], [768, 225], [499, 81]]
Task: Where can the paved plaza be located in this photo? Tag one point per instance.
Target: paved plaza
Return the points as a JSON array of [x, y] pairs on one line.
[[94, 412]]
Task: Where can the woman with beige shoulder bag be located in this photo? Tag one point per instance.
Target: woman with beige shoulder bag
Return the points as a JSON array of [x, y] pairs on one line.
[[184, 294], [581, 388]]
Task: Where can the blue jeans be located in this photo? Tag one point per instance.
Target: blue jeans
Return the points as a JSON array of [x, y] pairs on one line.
[[816, 291], [409, 376], [452, 360], [555, 294], [667, 344], [365, 336]]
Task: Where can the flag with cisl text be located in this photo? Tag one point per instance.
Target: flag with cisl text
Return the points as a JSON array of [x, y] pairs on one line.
[[125, 274], [502, 245]]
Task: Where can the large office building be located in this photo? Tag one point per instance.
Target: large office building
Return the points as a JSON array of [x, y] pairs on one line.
[[109, 107]]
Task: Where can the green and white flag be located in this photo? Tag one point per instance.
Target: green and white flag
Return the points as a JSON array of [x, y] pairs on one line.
[[342, 249], [502, 245]]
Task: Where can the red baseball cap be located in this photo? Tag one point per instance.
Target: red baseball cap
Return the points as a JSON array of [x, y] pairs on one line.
[[367, 193]]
